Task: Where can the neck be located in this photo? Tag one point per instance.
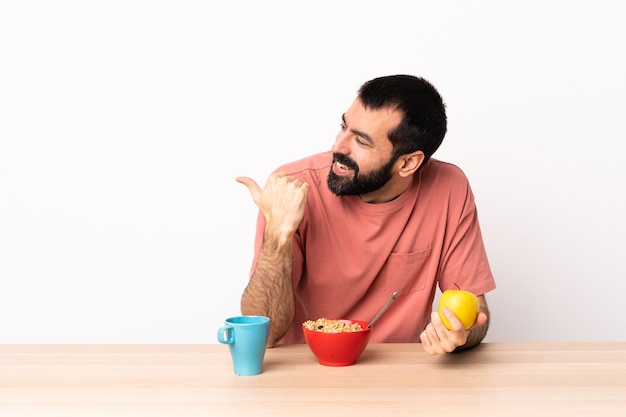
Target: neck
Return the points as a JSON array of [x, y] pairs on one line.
[[392, 190]]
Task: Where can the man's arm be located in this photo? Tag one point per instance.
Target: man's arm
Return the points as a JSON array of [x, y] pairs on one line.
[[270, 292], [437, 339]]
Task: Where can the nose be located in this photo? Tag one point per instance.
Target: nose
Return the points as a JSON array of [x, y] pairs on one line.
[[341, 143]]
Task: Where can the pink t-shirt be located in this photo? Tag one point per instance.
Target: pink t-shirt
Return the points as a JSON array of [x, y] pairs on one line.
[[350, 256]]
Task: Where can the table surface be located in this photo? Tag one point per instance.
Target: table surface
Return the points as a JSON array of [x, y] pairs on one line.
[[494, 379]]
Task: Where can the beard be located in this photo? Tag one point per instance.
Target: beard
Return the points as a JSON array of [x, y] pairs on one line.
[[360, 183]]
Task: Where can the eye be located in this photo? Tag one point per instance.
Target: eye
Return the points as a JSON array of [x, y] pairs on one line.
[[361, 142], [342, 126]]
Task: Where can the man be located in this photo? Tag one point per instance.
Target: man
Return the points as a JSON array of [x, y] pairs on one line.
[[340, 231]]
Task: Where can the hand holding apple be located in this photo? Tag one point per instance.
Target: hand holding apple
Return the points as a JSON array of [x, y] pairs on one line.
[[462, 303]]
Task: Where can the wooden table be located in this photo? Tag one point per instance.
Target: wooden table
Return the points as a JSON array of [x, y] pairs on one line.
[[534, 379]]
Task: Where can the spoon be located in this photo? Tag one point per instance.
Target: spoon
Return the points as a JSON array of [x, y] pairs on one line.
[[382, 310]]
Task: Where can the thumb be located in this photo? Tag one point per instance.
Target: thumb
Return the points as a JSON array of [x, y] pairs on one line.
[[481, 319], [252, 186]]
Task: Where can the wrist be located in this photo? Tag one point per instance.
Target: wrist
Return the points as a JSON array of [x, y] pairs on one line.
[[278, 238]]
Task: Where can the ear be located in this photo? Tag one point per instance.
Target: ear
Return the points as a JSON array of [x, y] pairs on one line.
[[409, 163]]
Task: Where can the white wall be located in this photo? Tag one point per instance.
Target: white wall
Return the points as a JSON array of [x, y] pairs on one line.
[[124, 123]]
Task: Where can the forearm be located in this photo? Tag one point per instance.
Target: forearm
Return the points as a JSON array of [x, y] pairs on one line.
[[270, 292]]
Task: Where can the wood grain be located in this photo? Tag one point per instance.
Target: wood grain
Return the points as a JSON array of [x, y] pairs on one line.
[[512, 379]]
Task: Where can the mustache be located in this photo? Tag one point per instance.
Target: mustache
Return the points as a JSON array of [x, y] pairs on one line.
[[345, 160]]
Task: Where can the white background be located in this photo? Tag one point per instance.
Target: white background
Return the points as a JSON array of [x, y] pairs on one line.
[[123, 125]]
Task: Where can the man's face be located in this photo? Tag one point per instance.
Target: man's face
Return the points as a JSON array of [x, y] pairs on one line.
[[362, 153]]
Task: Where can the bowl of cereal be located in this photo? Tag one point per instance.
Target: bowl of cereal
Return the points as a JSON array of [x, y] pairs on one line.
[[336, 342]]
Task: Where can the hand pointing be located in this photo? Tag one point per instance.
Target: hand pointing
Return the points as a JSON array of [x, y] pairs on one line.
[[281, 201]]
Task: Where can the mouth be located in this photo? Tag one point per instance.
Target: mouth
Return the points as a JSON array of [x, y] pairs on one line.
[[341, 169], [342, 166]]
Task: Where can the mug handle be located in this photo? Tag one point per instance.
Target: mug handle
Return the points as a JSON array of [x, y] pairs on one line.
[[230, 335]]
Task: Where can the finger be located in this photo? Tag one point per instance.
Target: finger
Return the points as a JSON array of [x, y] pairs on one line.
[[252, 186], [427, 343], [454, 321], [435, 340], [305, 187], [449, 339], [292, 181]]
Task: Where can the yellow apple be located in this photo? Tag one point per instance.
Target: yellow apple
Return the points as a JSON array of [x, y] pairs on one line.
[[462, 303]]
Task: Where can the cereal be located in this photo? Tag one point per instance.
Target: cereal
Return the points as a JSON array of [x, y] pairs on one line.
[[331, 326]]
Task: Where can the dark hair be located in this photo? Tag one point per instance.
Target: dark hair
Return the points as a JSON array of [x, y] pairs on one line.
[[424, 121]]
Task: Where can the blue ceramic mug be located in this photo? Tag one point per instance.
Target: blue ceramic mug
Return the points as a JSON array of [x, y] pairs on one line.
[[246, 336]]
